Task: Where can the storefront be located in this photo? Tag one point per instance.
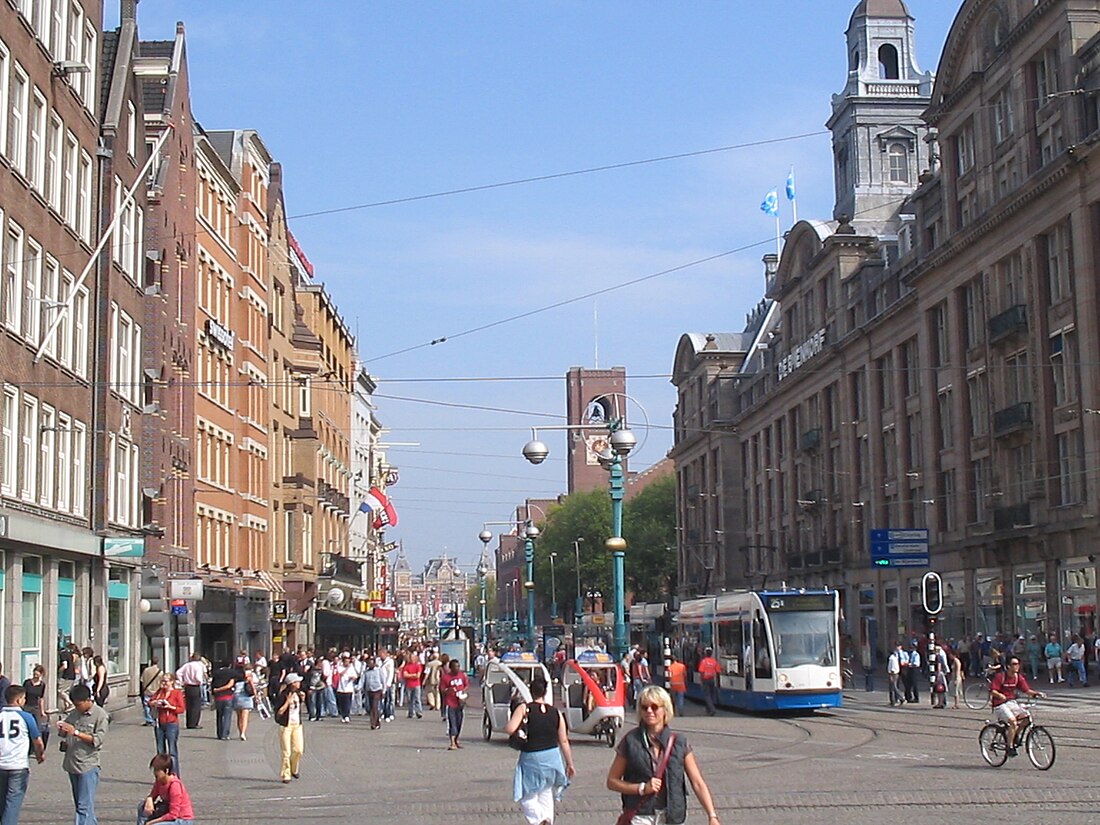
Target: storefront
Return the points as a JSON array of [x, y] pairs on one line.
[[1077, 596]]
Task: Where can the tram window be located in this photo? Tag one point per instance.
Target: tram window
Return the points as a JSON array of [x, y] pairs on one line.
[[763, 662], [729, 646], [804, 638]]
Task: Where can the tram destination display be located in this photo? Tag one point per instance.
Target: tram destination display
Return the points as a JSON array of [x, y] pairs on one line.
[[798, 601]]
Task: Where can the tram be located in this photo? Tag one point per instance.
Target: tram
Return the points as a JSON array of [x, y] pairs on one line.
[[778, 649]]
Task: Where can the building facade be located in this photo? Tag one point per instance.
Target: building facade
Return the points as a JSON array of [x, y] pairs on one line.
[[924, 372]]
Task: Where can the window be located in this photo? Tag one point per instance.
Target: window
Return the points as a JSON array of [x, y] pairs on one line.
[[1017, 383], [122, 490], [1010, 281], [303, 397], [947, 429], [941, 354], [307, 539], [1045, 71], [9, 440], [70, 172], [974, 310], [28, 447], [964, 149], [83, 215], [946, 500], [57, 29], [17, 137], [13, 287], [30, 641], [1057, 249], [36, 147], [131, 129], [46, 456], [125, 355], [64, 462], [288, 536], [981, 489], [118, 620], [49, 304], [911, 365], [1070, 473], [80, 481], [32, 285], [1002, 116], [885, 369], [977, 384], [80, 332], [898, 156], [5, 75], [887, 62], [1063, 367]]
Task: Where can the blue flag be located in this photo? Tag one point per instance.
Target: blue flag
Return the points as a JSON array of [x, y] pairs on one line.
[[790, 185], [770, 206]]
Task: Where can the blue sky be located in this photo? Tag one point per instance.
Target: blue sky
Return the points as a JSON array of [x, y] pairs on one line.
[[379, 101]]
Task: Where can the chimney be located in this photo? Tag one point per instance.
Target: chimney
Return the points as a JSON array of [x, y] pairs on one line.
[[128, 10]]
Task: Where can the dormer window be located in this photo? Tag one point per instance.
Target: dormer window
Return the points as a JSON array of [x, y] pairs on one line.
[[898, 156], [887, 62]]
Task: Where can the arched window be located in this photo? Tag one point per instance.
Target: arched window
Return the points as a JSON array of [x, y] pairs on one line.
[[855, 61], [887, 62], [899, 163]]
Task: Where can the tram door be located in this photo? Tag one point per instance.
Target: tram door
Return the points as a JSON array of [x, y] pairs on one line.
[[746, 653]]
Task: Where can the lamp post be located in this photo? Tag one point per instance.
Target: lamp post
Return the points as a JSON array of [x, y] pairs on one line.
[[578, 608], [530, 533], [621, 442], [482, 571], [553, 589]]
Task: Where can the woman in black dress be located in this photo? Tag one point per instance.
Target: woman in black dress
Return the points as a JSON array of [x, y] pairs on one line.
[[36, 701]]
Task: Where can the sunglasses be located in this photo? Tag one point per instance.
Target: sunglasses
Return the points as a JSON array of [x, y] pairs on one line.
[[653, 708]]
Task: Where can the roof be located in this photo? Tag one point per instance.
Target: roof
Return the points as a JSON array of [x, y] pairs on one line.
[[889, 9], [718, 341]]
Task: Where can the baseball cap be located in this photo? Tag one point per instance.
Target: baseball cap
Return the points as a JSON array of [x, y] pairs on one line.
[[292, 678]]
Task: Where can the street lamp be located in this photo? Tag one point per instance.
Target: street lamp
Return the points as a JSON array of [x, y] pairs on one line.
[[621, 442], [553, 589], [578, 608], [530, 533]]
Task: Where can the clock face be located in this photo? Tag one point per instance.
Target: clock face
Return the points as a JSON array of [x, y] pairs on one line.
[[596, 444]]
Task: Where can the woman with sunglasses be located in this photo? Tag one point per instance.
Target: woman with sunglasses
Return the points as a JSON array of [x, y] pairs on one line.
[[653, 799]]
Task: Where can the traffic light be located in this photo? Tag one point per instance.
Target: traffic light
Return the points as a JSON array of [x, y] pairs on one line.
[[931, 588], [154, 607]]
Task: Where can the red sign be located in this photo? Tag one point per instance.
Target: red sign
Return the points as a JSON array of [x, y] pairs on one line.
[[385, 612]]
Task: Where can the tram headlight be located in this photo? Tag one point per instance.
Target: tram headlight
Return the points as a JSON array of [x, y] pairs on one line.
[[782, 678], [833, 677]]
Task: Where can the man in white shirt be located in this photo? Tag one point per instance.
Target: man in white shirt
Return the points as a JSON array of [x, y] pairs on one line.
[[1076, 655], [386, 665], [893, 675], [192, 676], [18, 732]]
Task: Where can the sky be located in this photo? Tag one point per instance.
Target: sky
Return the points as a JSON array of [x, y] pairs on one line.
[[446, 169]]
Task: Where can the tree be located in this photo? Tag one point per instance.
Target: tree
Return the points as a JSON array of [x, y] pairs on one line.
[[649, 522]]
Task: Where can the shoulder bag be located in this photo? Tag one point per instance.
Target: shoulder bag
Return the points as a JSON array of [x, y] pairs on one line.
[[628, 813], [517, 740]]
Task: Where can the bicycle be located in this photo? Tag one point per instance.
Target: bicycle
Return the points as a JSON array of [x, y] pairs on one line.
[[976, 694], [1036, 741]]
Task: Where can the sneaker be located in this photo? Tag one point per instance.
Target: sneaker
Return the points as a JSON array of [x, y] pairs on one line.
[[345, 720], [1011, 751], [244, 738]]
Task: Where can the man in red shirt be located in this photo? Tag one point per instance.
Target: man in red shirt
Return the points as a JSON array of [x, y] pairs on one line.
[[1007, 685], [453, 685], [708, 671], [412, 672]]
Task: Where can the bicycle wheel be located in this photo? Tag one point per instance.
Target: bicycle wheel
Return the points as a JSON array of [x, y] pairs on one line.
[[976, 695], [994, 748], [1040, 748]]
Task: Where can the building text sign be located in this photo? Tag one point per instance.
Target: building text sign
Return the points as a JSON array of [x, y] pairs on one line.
[[801, 354]]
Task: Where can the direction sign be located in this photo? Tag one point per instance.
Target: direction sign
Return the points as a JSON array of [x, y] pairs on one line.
[[899, 548]]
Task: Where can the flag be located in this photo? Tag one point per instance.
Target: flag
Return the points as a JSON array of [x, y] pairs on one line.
[[770, 206], [790, 185], [377, 504]]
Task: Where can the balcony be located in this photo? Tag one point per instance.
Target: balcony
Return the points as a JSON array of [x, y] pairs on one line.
[[1012, 419], [811, 498], [1010, 322], [810, 440], [1009, 518]]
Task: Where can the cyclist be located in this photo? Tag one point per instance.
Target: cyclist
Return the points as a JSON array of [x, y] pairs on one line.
[[1006, 686]]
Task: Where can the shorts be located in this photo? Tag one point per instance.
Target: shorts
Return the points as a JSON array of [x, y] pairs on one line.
[[1054, 663], [1008, 711]]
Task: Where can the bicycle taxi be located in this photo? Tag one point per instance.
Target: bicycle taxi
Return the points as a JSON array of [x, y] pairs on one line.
[[505, 685], [594, 695]]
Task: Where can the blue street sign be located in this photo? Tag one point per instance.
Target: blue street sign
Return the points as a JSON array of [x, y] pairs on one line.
[[899, 548]]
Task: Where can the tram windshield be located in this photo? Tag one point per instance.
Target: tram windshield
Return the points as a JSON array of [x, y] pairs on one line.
[[804, 638]]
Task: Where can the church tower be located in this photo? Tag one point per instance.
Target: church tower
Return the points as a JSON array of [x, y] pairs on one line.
[[592, 398], [879, 139]]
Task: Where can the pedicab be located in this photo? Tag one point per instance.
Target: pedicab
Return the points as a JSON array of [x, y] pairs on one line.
[[505, 685], [594, 695]]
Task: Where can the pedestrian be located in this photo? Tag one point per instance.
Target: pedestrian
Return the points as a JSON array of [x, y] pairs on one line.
[[640, 676], [191, 676], [444, 668], [66, 675], [35, 689], [147, 686], [386, 665], [315, 681], [168, 801], [1053, 652], [222, 683], [19, 734], [545, 763], [168, 702], [627, 665], [893, 675], [101, 691], [431, 681], [372, 692], [1075, 655], [453, 687], [244, 694], [347, 676], [651, 765], [1034, 652], [412, 672], [85, 731], [708, 670], [677, 682], [958, 677], [910, 672], [288, 715]]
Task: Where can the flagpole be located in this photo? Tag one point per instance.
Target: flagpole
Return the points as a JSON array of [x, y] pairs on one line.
[[778, 243], [794, 210]]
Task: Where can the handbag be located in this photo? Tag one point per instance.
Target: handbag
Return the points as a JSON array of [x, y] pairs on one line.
[[249, 688], [629, 813], [517, 740]]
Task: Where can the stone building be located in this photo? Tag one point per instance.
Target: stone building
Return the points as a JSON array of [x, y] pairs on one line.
[[923, 370]]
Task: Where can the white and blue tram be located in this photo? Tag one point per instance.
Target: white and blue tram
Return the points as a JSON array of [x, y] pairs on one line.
[[778, 649]]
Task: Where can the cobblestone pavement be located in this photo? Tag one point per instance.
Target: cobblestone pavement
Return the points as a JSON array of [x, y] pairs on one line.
[[862, 763]]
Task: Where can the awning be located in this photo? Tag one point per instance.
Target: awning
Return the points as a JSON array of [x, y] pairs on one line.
[[344, 623], [271, 583]]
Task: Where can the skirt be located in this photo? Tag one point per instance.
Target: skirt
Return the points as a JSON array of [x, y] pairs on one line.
[[537, 771]]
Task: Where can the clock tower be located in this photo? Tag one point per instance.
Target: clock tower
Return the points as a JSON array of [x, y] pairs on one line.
[[592, 397]]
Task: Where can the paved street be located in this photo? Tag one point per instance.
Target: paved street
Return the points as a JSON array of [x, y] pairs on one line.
[[851, 765]]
